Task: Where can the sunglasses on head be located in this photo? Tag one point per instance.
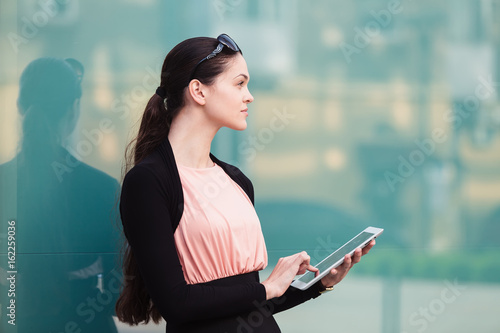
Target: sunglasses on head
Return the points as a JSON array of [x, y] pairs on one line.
[[224, 40]]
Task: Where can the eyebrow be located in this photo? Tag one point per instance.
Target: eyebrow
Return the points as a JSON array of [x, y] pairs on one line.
[[244, 75]]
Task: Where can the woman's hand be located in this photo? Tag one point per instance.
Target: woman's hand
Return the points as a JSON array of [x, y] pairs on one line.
[[283, 274], [337, 274]]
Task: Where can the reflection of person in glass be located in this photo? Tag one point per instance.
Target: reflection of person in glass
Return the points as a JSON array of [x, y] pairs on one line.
[[196, 244], [63, 211]]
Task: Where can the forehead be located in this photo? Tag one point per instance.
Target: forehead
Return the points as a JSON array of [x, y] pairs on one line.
[[236, 66]]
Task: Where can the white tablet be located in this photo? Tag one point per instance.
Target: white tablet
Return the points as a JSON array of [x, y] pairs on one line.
[[337, 258]]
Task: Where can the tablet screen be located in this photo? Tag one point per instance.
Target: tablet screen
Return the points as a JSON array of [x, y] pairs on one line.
[[337, 255]]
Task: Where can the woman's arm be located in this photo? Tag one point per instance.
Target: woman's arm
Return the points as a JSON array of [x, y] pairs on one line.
[[148, 228], [293, 297]]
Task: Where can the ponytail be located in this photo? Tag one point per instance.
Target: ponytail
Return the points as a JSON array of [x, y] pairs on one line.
[[153, 130], [134, 305]]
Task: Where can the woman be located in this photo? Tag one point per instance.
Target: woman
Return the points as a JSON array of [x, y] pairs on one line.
[[195, 243]]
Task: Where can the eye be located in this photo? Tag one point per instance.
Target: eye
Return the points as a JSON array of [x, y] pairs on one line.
[[241, 83]]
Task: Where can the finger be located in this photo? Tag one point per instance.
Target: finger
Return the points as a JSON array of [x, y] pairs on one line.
[[347, 261], [303, 258], [357, 256], [313, 269], [368, 247], [344, 267], [304, 268]]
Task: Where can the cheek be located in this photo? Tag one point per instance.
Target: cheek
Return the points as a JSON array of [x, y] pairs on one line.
[[230, 98], [230, 93]]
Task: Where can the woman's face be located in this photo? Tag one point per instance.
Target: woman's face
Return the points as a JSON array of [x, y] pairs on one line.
[[229, 95]]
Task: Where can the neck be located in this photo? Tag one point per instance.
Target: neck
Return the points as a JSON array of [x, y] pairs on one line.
[[191, 138]]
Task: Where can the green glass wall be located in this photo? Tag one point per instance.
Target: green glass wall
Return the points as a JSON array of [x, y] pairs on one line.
[[381, 112]]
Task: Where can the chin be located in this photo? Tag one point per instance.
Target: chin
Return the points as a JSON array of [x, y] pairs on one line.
[[238, 127]]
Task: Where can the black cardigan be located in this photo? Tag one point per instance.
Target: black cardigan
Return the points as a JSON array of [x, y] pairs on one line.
[[151, 206]]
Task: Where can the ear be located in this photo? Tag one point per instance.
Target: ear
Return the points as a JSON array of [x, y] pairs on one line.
[[197, 91]]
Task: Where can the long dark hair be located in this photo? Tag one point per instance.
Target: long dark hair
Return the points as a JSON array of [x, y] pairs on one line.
[[134, 304]]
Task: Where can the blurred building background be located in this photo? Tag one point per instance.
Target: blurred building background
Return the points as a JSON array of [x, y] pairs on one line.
[[381, 112]]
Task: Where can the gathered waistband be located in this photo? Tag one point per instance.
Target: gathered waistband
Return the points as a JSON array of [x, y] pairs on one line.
[[233, 280]]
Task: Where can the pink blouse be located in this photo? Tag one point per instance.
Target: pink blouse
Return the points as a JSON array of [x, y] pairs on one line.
[[219, 234]]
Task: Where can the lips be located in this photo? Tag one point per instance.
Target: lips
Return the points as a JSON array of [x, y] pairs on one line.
[[245, 110]]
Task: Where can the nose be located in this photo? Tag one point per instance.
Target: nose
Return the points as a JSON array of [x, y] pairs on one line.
[[248, 97]]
